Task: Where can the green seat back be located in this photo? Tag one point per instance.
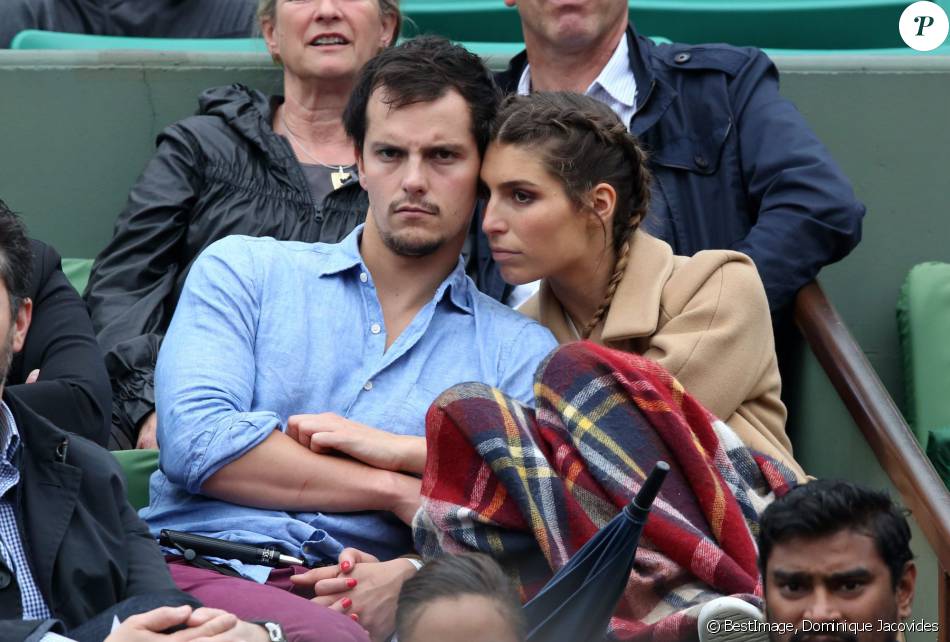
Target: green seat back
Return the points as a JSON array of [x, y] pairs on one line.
[[138, 466], [938, 449], [923, 317], [35, 39], [787, 24], [77, 271]]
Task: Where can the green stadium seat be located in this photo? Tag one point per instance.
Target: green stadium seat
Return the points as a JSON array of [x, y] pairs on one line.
[[923, 315], [787, 24], [77, 271], [138, 466], [34, 39]]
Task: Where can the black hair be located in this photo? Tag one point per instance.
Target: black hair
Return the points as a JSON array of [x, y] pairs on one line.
[[454, 576], [423, 70], [827, 506], [16, 257]]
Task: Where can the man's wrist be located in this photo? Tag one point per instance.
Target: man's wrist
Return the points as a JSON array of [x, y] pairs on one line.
[[411, 454], [404, 446]]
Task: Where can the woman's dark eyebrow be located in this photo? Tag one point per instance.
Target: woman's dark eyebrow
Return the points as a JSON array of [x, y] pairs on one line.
[[517, 183]]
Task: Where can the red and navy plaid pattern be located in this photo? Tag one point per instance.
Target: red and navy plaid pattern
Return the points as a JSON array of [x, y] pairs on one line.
[[530, 487]]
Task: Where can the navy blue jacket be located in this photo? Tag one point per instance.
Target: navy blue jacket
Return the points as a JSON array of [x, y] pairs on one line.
[[736, 165]]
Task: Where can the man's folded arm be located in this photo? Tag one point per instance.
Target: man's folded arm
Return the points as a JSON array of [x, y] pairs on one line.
[[279, 473], [211, 442]]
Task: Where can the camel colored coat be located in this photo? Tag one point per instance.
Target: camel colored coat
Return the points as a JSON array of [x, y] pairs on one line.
[[706, 320]]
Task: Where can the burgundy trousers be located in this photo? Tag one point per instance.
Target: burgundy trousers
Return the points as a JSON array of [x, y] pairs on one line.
[[277, 600]]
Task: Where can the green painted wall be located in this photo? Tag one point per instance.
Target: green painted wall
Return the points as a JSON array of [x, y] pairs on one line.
[[76, 130]]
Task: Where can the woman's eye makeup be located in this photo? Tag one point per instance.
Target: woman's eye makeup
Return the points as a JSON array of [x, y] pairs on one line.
[[521, 196]]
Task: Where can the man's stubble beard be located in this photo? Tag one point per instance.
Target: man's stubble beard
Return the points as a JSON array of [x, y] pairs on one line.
[[408, 247]]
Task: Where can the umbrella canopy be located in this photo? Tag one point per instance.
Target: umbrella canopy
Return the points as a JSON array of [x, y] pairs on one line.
[[578, 602]]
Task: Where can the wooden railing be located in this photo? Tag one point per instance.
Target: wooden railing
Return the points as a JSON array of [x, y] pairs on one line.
[[884, 428]]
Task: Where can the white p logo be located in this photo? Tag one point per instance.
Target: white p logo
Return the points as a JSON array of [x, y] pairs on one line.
[[924, 26]]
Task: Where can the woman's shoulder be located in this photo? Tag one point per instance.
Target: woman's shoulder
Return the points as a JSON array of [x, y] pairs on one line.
[[709, 261], [726, 272]]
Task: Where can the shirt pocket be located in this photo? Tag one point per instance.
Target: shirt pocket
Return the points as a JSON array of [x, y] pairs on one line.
[[696, 150]]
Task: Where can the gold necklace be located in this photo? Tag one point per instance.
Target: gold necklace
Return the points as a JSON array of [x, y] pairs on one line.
[[337, 178]]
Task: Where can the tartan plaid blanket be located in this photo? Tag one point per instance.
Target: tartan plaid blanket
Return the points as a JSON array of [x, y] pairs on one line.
[[529, 487]]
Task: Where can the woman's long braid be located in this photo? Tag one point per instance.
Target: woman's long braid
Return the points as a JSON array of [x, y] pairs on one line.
[[623, 256], [637, 205], [583, 143]]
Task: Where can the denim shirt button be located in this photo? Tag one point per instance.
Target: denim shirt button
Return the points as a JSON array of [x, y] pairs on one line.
[[363, 277], [368, 386], [375, 329]]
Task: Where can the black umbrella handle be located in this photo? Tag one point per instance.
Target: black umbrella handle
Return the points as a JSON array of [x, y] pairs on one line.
[[651, 487]]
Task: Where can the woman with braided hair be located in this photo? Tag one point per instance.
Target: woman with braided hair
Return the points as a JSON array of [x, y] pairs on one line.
[[663, 357], [568, 188]]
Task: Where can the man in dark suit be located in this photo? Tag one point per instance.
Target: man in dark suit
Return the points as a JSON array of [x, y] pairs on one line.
[[60, 372], [73, 553]]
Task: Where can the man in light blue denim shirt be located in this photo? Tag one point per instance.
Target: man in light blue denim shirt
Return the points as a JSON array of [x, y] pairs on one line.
[[283, 356]]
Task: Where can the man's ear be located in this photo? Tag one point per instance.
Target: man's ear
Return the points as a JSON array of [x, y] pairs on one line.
[[904, 595], [21, 324], [603, 200]]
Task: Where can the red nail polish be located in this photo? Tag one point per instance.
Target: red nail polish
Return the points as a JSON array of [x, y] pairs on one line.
[[350, 583], [354, 617], [347, 602], [345, 566]]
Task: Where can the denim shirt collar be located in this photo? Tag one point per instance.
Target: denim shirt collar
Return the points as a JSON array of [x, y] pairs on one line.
[[345, 255]]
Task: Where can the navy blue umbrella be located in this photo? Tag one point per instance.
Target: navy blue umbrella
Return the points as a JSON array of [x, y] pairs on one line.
[[578, 602]]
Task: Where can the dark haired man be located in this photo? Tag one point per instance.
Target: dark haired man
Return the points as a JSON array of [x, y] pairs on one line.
[[736, 166], [59, 373], [836, 564], [73, 554], [294, 380]]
